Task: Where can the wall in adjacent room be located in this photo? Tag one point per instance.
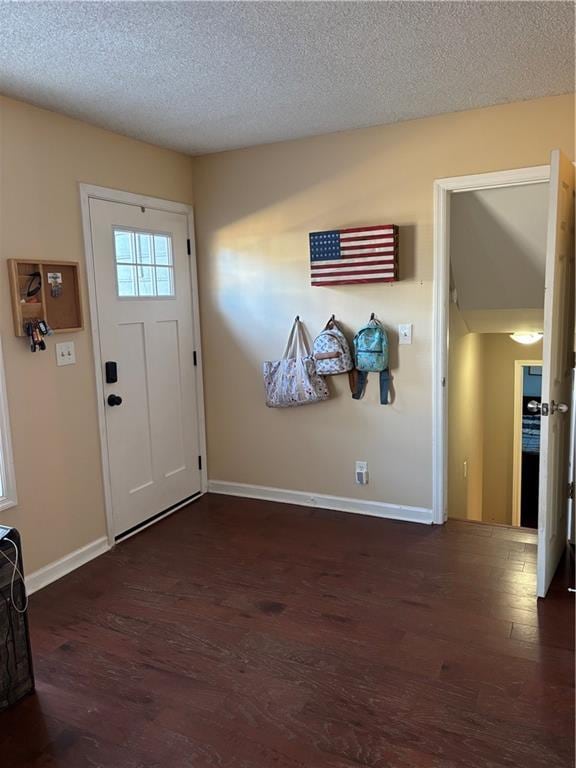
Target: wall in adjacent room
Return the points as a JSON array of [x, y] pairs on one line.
[[465, 419], [43, 157]]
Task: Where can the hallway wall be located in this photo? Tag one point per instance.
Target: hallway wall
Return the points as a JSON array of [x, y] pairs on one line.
[[465, 419]]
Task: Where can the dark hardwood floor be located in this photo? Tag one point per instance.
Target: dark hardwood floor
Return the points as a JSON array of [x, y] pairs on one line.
[[246, 634]]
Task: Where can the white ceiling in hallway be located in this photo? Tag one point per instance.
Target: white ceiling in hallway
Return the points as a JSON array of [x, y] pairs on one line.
[[208, 76], [498, 256]]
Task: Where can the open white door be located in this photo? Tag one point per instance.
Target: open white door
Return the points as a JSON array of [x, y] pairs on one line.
[[558, 360]]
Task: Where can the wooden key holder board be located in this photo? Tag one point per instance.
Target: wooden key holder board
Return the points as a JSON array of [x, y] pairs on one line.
[[57, 301]]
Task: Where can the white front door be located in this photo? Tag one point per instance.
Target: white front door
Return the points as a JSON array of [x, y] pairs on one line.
[[557, 363], [145, 322]]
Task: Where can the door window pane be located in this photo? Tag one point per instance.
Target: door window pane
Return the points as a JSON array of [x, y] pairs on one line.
[[146, 285], [164, 281], [162, 249], [126, 275], [145, 250], [144, 264], [124, 242]]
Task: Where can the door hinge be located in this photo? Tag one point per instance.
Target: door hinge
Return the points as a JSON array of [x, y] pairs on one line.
[[194, 358], [189, 247], [571, 490], [200, 463]]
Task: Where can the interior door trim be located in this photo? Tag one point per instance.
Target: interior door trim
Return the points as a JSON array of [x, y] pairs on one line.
[[90, 192]]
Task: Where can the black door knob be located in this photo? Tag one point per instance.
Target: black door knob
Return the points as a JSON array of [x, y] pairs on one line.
[[114, 400]]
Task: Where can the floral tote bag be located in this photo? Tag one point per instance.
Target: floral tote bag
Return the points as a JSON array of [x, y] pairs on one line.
[[293, 380]]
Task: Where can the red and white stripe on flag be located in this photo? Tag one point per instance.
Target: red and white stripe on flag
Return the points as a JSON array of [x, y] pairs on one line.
[[358, 255]]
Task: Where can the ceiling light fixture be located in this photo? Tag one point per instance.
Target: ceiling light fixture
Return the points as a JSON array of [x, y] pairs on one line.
[[526, 338]]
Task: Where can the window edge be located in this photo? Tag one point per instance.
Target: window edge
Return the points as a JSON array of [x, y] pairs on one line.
[[9, 498]]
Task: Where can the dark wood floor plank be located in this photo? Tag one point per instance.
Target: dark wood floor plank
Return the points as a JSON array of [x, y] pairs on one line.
[[247, 634]]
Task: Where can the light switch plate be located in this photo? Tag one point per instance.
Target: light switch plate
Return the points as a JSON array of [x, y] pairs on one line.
[[405, 333], [65, 353]]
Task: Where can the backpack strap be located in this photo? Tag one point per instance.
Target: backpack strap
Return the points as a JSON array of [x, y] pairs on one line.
[[353, 380], [297, 344], [384, 386], [358, 381], [360, 384]]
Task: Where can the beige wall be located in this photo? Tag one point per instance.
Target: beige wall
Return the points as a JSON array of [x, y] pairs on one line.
[[255, 208], [465, 419], [43, 156]]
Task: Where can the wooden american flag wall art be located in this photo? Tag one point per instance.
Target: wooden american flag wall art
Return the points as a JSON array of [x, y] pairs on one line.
[[358, 255]]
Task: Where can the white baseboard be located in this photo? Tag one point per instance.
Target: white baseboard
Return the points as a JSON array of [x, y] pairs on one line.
[[54, 571], [321, 500]]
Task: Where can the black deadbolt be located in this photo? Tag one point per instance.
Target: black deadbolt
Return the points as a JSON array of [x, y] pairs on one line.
[[111, 372], [114, 400]]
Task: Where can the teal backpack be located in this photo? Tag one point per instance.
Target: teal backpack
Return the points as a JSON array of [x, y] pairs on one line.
[[371, 355]]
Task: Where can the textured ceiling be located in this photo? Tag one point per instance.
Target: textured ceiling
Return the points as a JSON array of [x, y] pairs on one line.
[[208, 76]]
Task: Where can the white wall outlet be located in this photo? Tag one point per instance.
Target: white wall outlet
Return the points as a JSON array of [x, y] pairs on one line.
[[361, 473], [405, 333], [65, 353]]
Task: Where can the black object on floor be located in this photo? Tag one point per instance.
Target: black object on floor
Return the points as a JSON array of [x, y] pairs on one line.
[[16, 674]]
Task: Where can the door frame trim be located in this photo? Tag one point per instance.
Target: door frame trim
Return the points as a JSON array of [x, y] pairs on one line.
[[443, 189], [519, 366], [88, 192]]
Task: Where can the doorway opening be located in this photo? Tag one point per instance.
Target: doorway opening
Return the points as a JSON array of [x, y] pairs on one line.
[[557, 353], [496, 314]]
